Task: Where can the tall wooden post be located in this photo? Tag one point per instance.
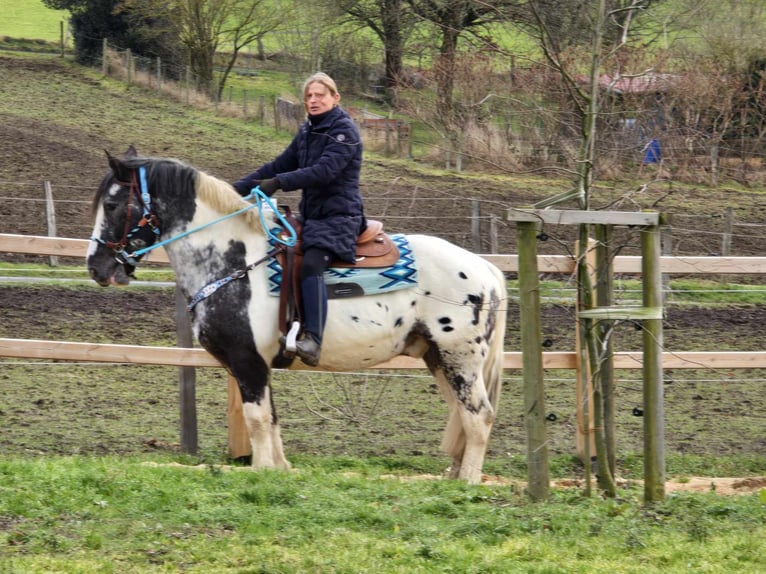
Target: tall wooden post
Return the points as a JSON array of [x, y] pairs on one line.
[[50, 215], [654, 418], [187, 379], [239, 440], [585, 443], [532, 363]]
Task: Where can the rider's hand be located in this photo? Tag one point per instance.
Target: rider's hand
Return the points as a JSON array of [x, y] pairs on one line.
[[268, 186], [243, 187]]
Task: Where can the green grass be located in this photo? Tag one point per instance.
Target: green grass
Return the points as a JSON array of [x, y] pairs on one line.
[[31, 20], [80, 514], [53, 274]]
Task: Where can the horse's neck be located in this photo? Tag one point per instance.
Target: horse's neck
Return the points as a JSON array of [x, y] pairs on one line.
[[207, 251]]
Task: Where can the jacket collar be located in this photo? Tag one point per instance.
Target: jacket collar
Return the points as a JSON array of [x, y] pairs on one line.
[[321, 120]]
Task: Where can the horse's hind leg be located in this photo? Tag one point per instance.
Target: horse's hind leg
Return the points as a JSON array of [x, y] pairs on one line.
[[453, 441], [470, 421]]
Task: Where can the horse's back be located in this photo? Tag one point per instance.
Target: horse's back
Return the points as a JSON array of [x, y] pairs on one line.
[[444, 265]]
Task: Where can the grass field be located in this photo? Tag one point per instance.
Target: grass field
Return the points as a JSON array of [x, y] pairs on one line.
[[81, 514], [31, 20]]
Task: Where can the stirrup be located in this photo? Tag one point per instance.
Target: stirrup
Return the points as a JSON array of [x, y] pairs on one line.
[[290, 341]]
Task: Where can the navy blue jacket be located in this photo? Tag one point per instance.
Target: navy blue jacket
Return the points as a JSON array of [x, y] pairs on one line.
[[324, 160]]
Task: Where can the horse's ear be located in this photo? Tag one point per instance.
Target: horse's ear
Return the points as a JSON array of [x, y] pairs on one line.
[[119, 169], [130, 152]]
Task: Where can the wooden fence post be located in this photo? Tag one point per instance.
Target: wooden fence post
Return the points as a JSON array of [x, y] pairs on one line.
[[585, 444], [493, 234], [476, 225], [187, 379], [538, 482], [159, 75], [239, 440], [50, 214], [728, 226], [654, 410], [104, 57]]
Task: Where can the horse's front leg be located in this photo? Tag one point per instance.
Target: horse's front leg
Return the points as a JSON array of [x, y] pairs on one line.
[[253, 379], [264, 432]]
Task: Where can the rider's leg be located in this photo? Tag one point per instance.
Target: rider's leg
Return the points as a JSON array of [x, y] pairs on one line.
[[314, 299]]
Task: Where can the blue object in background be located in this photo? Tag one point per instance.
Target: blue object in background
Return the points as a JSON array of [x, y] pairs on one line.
[[652, 153]]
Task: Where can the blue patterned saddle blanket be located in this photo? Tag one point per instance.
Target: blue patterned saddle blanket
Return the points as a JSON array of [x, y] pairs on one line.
[[354, 282]]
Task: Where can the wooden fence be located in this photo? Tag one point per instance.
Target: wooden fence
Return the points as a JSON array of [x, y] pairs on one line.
[[196, 357], [56, 246]]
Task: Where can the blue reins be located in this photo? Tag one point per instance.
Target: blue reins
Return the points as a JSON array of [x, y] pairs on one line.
[[256, 194]]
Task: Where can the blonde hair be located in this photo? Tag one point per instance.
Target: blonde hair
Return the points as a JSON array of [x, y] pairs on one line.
[[323, 79]]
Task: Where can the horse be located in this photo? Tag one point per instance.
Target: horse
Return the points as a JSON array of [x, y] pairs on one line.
[[453, 316]]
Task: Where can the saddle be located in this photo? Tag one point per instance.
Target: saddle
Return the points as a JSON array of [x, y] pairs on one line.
[[374, 249]]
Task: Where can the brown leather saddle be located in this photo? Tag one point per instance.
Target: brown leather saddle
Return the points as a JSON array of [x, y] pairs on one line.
[[374, 249]]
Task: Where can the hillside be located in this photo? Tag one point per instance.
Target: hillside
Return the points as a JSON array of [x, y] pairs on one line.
[[55, 121], [58, 119]]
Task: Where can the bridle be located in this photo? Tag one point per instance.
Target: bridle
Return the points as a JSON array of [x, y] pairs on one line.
[[147, 228]]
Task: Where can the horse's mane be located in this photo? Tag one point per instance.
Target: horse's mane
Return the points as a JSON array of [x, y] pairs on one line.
[[169, 172], [221, 196]]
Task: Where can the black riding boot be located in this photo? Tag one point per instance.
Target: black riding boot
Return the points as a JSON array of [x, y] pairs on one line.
[[314, 316]]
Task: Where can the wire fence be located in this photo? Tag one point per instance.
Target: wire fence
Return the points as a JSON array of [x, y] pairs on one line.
[[475, 224]]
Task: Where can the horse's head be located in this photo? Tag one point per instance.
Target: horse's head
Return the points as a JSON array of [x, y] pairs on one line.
[[124, 221]]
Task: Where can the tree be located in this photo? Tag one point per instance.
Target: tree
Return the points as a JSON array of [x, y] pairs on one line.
[[392, 24], [204, 26], [94, 20], [580, 42]]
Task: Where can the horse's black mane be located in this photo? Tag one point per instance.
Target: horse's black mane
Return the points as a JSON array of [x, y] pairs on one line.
[[161, 173]]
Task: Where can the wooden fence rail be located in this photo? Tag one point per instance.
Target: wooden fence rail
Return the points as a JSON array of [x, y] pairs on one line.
[[679, 265], [70, 351], [184, 357]]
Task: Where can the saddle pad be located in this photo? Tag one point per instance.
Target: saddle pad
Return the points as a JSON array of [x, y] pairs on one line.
[[357, 281]]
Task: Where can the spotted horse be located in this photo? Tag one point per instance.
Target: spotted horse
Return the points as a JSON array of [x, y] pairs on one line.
[[453, 317]]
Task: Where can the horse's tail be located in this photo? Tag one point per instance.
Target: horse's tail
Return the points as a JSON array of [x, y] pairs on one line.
[[493, 366]]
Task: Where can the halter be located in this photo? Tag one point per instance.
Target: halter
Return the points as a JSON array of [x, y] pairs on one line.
[[150, 221]]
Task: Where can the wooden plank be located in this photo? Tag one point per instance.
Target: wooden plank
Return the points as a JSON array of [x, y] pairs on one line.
[[623, 312], [106, 353], [577, 217], [40, 245], [64, 247], [239, 439], [172, 356]]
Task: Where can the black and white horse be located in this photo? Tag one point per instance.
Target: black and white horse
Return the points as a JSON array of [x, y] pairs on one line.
[[453, 316]]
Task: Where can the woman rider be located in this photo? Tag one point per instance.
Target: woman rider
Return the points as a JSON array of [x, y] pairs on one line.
[[324, 160]]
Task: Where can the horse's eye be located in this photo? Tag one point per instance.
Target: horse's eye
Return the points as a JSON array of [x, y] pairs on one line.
[[110, 207]]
